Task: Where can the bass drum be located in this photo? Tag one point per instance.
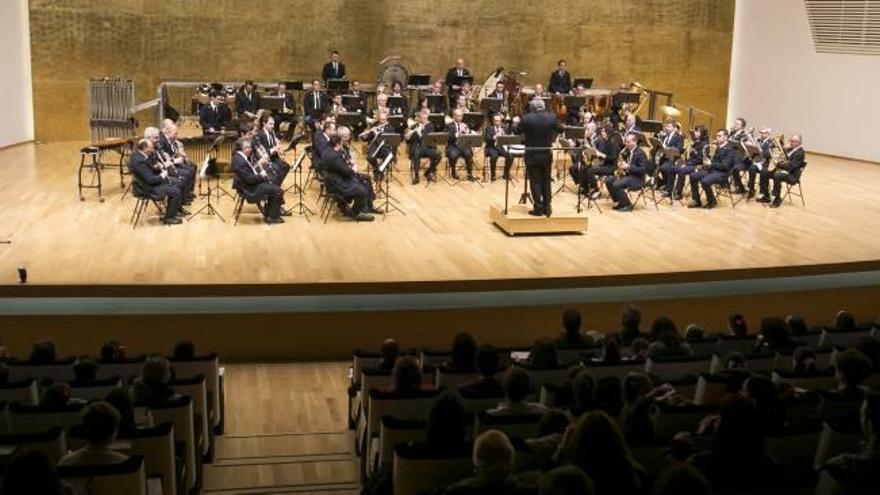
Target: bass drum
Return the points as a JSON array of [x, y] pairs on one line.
[[392, 72]]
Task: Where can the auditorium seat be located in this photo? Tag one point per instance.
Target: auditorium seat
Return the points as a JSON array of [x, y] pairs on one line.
[[126, 477], [819, 380], [826, 356], [600, 370], [555, 376], [414, 473], [801, 409], [704, 347], [179, 412], [95, 390], [671, 419], [831, 482], [371, 378], [843, 339], [431, 357], [208, 366], [651, 457], [710, 389], [796, 448], [514, 426], [729, 343], [811, 338], [410, 406], [36, 419], [757, 362], [394, 431], [676, 368], [476, 403], [451, 378], [575, 354], [51, 442], [59, 371], [195, 388], [127, 368], [24, 392], [833, 441]]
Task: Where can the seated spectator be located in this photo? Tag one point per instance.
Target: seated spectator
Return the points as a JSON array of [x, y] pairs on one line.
[[487, 385], [737, 326], [775, 336], [681, 479], [844, 321], [43, 352], [583, 393], [152, 386], [406, 376], [694, 333], [609, 397], [738, 449], [446, 428], [112, 352], [4, 374], [565, 480], [597, 447], [796, 325], [516, 390], [183, 350], [763, 394], [493, 462], [31, 472], [121, 400], [390, 353], [636, 417], [610, 350], [56, 397], [735, 360], [101, 425], [464, 351], [543, 356], [550, 430], [639, 348], [667, 343], [571, 335], [630, 319], [870, 347], [852, 369], [85, 370], [804, 360], [862, 468]]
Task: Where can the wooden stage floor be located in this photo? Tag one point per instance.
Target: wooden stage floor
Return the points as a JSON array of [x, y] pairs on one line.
[[446, 234]]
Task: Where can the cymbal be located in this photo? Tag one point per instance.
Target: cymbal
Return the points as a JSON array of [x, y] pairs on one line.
[[670, 111]]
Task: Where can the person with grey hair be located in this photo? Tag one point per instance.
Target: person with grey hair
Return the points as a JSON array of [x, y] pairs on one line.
[[342, 178], [493, 463], [254, 183], [539, 129], [789, 170], [171, 150], [155, 182]]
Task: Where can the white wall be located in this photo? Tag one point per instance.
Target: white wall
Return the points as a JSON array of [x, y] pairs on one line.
[[16, 102], [778, 80]]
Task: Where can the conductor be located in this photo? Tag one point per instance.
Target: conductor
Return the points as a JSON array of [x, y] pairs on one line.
[[539, 129]]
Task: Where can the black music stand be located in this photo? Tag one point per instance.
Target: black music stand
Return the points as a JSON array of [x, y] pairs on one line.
[[223, 136], [587, 82], [294, 85], [337, 85], [474, 120], [572, 101], [396, 103], [300, 207], [348, 119], [435, 101], [272, 103], [652, 126], [435, 139], [386, 168], [208, 170], [353, 103], [491, 106], [419, 80], [470, 141], [573, 132], [506, 142], [396, 122], [577, 133], [438, 119]]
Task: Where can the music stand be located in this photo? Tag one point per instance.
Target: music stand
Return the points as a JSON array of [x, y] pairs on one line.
[[435, 101], [418, 80], [573, 132], [348, 119], [387, 169], [207, 171], [623, 97], [396, 103], [438, 119], [490, 105], [337, 85], [652, 126], [474, 120], [572, 101], [300, 207], [353, 103], [587, 82], [505, 142], [294, 85], [272, 103], [396, 122], [470, 141], [434, 140]]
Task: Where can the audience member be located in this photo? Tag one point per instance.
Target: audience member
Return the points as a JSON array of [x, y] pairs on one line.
[[487, 385], [390, 353], [101, 423], [694, 333], [639, 348], [862, 468], [112, 352], [630, 320], [667, 342], [597, 447], [55, 397], [844, 321], [565, 480], [153, 384], [493, 462], [31, 472], [544, 355], [796, 325], [763, 394], [183, 350], [85, 370], [735, 360], [583, 393], [681, 479], [464, 351], [407, 376], [804, 360], [121, 400], [43, 352], [737, 326], [609, 396], [636, 417], [870, 347], [611, 350], [550, 431], [571, 335], [446, 428], [516, 391], [775, 336], [852, 369]]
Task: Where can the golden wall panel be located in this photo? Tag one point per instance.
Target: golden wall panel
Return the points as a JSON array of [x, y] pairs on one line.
[[682, 46]]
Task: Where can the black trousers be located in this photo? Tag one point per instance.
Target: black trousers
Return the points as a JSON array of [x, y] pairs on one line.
[[780, 177], [280, 168], [763, 181], [667, 173], [272, 194], [618, 187], [578, 173], [494, 153], [706, 179], [738, 169], [361, 191], [418, 152], [681, 173], [453, 153], [185, 173], [539, 182], [173, 195]]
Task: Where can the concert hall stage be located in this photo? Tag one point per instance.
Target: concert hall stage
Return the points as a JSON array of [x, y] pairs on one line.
[[279, 291]]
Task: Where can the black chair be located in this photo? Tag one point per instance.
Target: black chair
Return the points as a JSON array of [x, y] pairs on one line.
[[333, 197], [143, 198], [241, 198], [647, 185], [789, 189], [724, 189]]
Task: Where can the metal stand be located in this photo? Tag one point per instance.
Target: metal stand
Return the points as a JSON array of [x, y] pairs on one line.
[[300, 207], [208, 208], [389, 202]]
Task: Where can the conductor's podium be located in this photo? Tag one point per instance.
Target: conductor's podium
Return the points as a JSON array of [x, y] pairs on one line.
[[517, 221]]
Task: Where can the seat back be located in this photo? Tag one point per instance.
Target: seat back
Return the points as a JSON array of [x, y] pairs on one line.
[[363, 359], [372, 378], [413, 475], [674, 369], [209, 367], [811, 381], [156, 446], [569, 355], [650, 457], [195, 388], [430, 357], [829, 485], [179, 412], [126, 477], [51, 442], [619, 370], [95, 390], [393, 431], [796, 449], [554, 376], [525, 426], [449, 378], [728, 343], [125, 369], [409, 407], [23, 392], [669, 420], [710, 390], [843, 339], [36, 419], [833, 442], [59, 371]]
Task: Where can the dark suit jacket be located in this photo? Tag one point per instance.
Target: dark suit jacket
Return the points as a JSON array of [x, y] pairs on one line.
[[264, 140], [723, 159], [244, 104], [416, 139], [141, 166], [309, 106], [489, 134], [795, 163], [676, 141], [289, 102], [697, 153], [450, 130], [453, 78], [165, 146], [210, 118], [246, 178], [559, 83], [328, 73], [764, 146], [638, 164], [539, 129], [338, 173], [320, 143]]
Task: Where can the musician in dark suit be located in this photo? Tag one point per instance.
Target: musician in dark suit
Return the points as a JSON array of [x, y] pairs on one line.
[[494, 151], [321, 140], [398, 103], [606, 142], [252, 180], [635, 167], [454, 150], [717, 172], [355, 100], [247, 101], [342, 177], [669, 138], [631, 125], [316, 103], [418, 149], [269, 141], [675, 186], [212, 116], [440, 104], [377, 150], [578, 169], [761, 165], [560, 79], [156, 182], [501, 94], [741, 162], [286, 117], [454, 80], [790, 170], [539, 128], [334, 69], [171, 149]]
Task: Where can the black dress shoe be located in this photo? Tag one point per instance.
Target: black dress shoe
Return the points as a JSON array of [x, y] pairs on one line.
[[751, 195], [363, 217], [182, 213], [471, 178], [172, 221], [763, 199], [711, 205], [695, 204], [776, 203], [536, 212], [454, 176], [626, 208], [286, 213], [415, 180], [375, 211]]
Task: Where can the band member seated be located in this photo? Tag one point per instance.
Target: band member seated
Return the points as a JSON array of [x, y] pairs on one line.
[[269, 141], [669, 138], [493, 150], [454, 78], [560, 79], [418, 149], [501, 94], [321, 140], [717, 172], [156, 181], [253, 182], [634, 166], [171, 148], [761, 165], [381, 104], [579, 170], [286, 117], [631, 125], [377, 150], [334, 69], [462, 103], [699, 148], [574, 114], [357, 100], [177, 176], [741, 162], [315, 104], [247, 101], [399, 105], [539, 91], [539, 129], [212, 117], [342, 177], [789, 170], [466, 90], [440, 104], [455, 129]]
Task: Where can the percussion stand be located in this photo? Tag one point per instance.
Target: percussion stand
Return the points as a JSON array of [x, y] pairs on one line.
[[295, 186]]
